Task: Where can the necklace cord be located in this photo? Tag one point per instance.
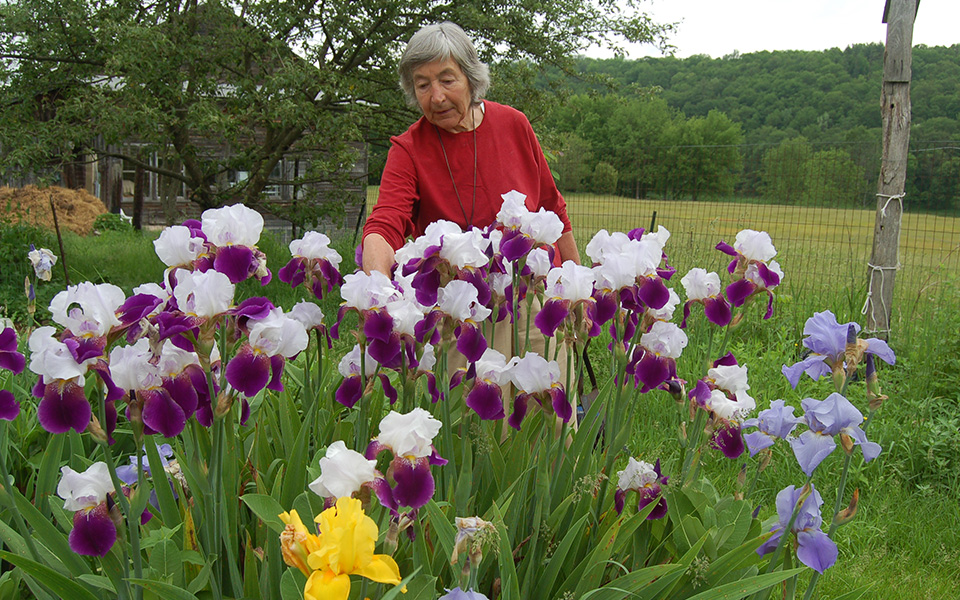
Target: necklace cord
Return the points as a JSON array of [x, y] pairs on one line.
[[473, 204]]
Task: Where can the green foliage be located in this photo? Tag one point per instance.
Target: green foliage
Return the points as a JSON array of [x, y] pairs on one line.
[[604, 178], [793, 173], [15, 240], [111, 222]]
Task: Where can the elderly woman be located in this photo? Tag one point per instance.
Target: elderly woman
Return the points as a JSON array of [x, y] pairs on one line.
[[455, 162]]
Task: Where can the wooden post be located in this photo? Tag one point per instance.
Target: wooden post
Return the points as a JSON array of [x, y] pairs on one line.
[[895, 108]]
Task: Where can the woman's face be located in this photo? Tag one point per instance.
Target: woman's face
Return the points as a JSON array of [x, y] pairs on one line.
[[443, 93]]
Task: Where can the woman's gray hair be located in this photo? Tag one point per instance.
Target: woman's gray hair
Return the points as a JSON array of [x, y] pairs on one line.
[[440, 42]]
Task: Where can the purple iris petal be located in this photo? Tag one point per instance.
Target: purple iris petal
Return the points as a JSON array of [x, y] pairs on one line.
[[236, 262], [415, 483], [477, 279], [248, 371], [93, 532], [560, 405], [435, 459], [769, 277], [384, 492], [700, 393], [293, 273], [739, 291], [606, 307], [161, 413], [717, 310], [813, 365], [652, 370], [647, 495], [170, 324], [727, 360], [470, 341], [486, 400], [349, 391], [183, 392], [757, 441], [686, 313], [331, 278], [83, 349], [277, 364], [881, 350], [519, 411], [654, 293], [137, 307], [726, 248], [775, 422], [551, 316], [619, 500], [435, 395], [514, 244], [388, 390], [427, 327], [811, 448], [256, 307], [816, 550], [63, 407], [630, 300], [10, 359], [377, 325], [9, 407]]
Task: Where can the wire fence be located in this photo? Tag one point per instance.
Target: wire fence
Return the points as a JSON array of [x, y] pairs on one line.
[[818, 202]]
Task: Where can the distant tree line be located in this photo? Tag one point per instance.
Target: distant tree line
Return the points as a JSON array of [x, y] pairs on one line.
[[787, 126]]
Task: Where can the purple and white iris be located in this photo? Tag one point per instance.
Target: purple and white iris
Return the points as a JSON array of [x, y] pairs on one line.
[[94, 531], [353, 384], [723, 392], [538, 379], [259, 362], [654, 360], [233, 232], [522, 229], [343, 472], [180, 246], [314, 264], [776, 422], [827, 341], [569, 302], [826, 419], [647, 481], [410, 438], [704, 288], [753, 268], [459, 306], [484, 392], [814, 548]]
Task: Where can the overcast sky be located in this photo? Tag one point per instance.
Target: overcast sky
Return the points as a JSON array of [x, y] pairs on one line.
[[718, 27]]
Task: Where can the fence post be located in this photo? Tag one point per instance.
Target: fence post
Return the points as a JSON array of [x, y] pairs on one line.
[[899, 16]]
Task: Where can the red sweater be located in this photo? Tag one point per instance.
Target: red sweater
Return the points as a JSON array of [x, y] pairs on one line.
[[416, 188]]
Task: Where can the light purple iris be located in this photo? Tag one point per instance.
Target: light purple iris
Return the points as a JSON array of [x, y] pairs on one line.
[[826, 419], [410, 438], [827, 341], [776, 422], [314, 264], [42, 261], [814, 548], [704, 288], [647, 481], [94, 532], [13, 361], [536, 378]]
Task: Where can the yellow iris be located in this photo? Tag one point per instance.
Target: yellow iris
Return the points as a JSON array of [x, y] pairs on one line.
[[344, 547]]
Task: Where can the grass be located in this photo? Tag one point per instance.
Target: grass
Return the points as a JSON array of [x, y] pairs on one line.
[[905, 539]]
